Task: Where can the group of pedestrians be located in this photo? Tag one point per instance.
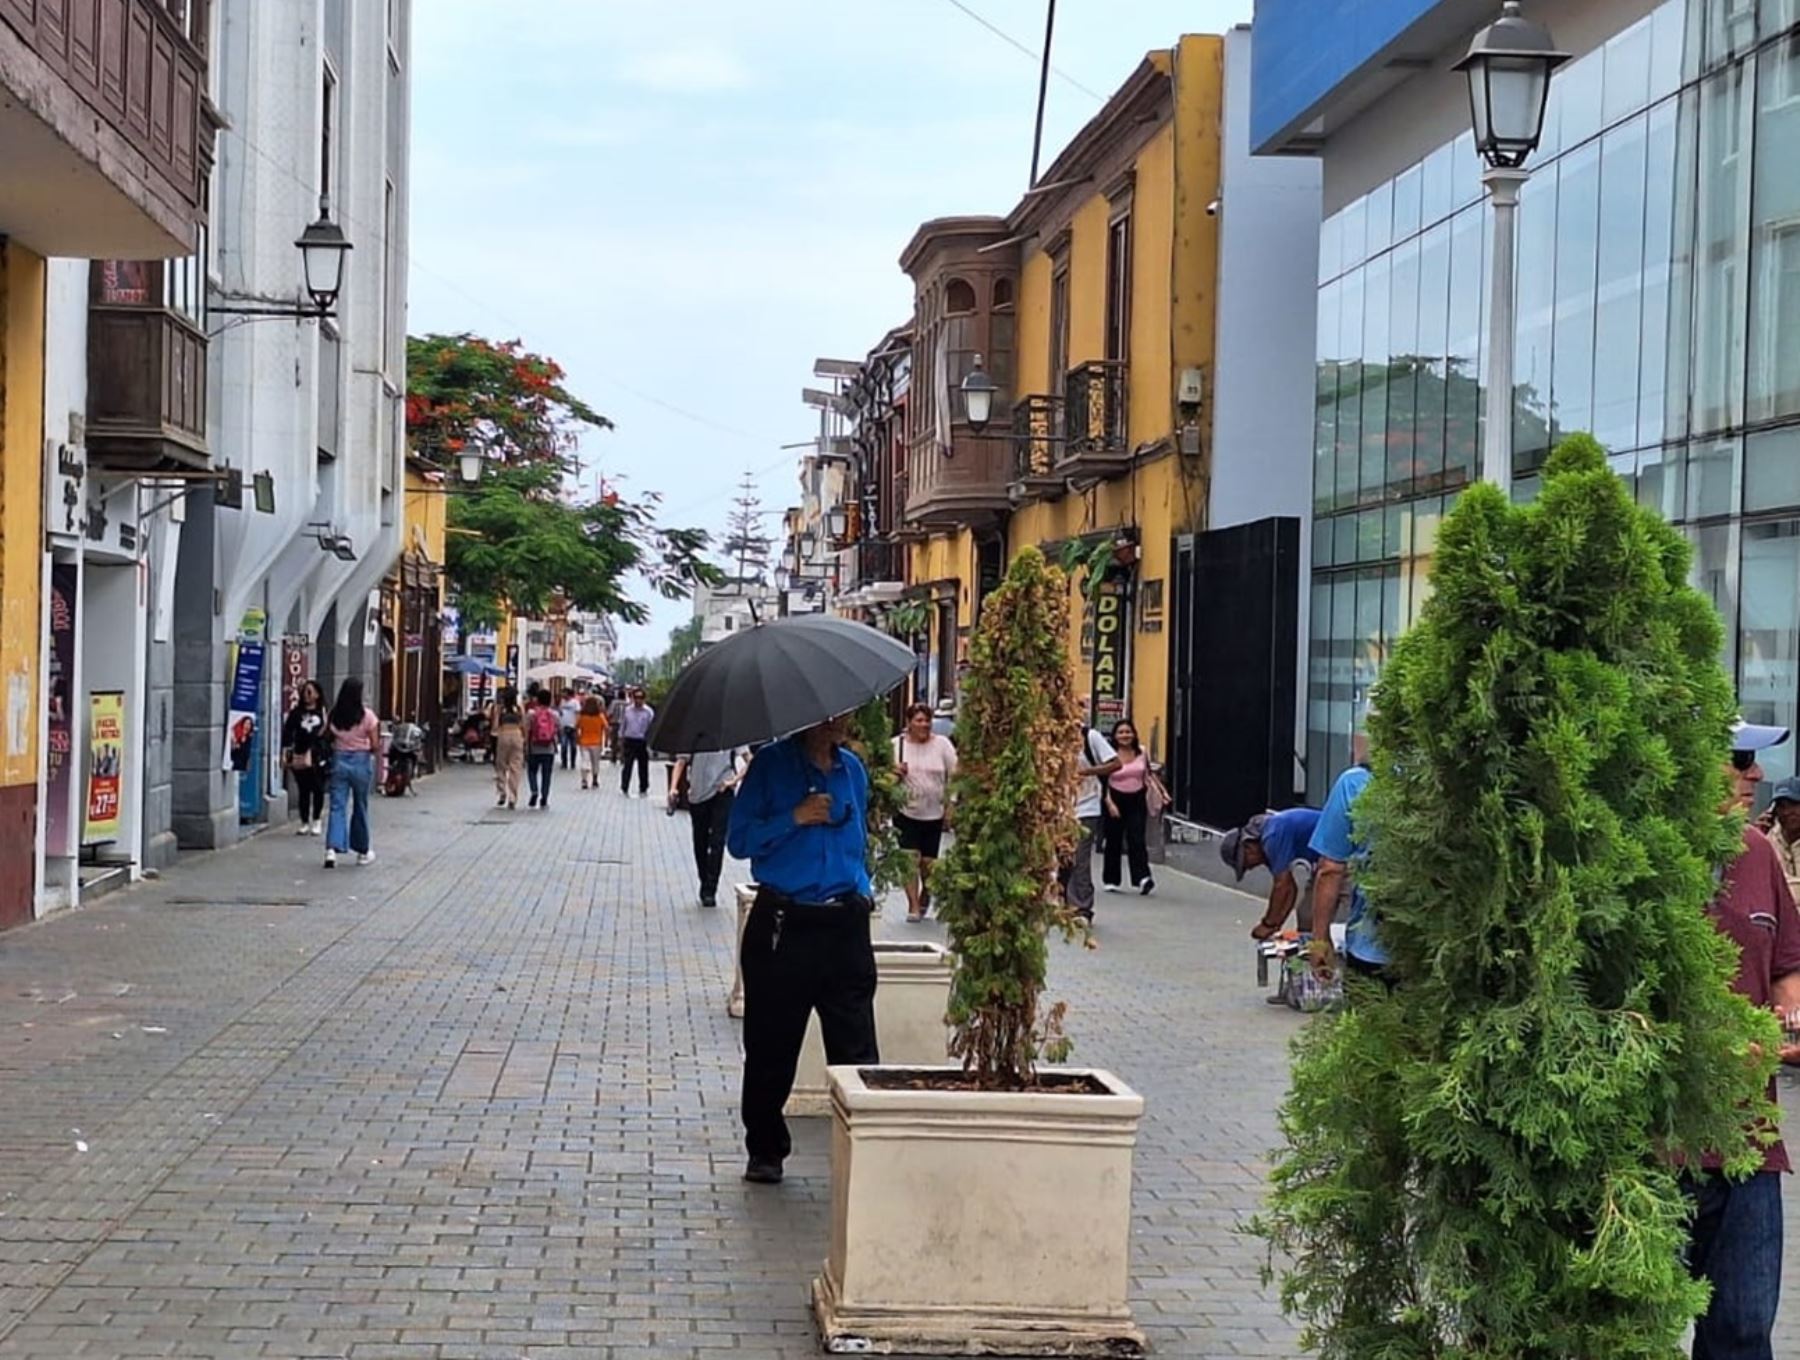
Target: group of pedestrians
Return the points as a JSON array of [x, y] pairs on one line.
[[1118, 798], [528, 739], [330, 754]]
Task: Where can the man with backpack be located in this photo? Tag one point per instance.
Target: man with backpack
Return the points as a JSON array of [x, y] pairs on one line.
[[543, 737]]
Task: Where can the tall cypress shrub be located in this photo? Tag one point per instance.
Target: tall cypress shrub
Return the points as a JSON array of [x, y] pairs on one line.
[[1484, 1163], [1017, 737]]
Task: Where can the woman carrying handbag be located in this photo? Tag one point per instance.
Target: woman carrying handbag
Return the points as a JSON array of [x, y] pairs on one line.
[[306, 754]]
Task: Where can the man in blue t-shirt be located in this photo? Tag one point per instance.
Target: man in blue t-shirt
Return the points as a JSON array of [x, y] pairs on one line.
[[1338, 848], [1277, 841]]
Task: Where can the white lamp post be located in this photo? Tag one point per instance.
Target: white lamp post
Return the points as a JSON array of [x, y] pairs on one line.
[[978, 397], [1508, 66]]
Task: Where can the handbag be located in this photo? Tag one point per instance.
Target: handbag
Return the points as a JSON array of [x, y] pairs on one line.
[[299, 760], [1156, 797]]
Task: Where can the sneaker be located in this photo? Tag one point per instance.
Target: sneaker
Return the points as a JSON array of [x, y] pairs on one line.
[[331, 859], [1147, 887], [1109, 887], [318, 828], [763, 1171], [305, 829], [367, 857]]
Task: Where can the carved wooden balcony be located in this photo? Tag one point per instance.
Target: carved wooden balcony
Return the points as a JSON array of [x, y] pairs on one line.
[[146, 374], [108, 98]]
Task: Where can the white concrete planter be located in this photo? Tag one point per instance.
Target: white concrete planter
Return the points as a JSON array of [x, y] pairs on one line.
[[746, 898], [970, 1223], [912, 992]]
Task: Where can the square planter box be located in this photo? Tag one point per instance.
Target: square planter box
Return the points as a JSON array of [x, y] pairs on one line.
[[912, 992], [977, 1223]]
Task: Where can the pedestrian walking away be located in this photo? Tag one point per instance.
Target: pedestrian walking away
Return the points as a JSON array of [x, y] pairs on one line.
[[543, 736], [509, 748], [1282, 843], [801, 820], [634, 746], [355, 737], [927, 762], [1125, 830], [569, 712], [306, 755], [1736, 1234], [590, 740], [706, 784], [1098, 760]]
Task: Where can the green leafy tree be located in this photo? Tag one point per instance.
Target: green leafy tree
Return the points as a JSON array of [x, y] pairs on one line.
[[520, 537], [1484, 1162], [1018, 733], [873, 740]]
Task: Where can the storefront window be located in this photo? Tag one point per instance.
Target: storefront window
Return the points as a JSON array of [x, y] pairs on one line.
[[1774, 359], [1769, 644], [1432, 347], [1349, 408], [1618, 316], [1656, 393], [1403, 370], [1325, 418]]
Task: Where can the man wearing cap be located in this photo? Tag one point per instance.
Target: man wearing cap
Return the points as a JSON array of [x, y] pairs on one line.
[[1735, 1242], [1278, 841], [1781, 824]]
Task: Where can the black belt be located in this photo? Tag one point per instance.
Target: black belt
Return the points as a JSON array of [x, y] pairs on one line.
[[799, 910]]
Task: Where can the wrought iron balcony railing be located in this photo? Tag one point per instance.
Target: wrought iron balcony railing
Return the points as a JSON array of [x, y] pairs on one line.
[[1037, 434], [1095, 401]]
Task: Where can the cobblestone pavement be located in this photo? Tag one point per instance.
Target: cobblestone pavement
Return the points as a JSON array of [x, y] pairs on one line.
[[478, 1101]]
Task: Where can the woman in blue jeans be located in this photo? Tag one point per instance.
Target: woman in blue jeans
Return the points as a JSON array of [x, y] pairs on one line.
[[355, 737]]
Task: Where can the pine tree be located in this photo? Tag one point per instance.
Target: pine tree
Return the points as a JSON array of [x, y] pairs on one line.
[[746, 543], [1484, 1162]]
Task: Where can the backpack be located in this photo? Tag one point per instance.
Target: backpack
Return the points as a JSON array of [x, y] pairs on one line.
[[545, 726]]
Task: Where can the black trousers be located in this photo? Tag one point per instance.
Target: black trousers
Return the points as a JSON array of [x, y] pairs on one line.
[[310, 784], [711, 819], [634, 752], [539, 766], [800, 958], [1124, 836]]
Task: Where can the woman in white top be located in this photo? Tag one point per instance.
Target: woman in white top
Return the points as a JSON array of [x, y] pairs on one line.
[[926, 762]]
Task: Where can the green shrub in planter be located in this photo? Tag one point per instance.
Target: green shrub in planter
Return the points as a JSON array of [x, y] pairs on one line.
[[1017, 737], [1484, 1162]]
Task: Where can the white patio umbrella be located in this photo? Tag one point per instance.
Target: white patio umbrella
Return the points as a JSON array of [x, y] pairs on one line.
[[559, 670]]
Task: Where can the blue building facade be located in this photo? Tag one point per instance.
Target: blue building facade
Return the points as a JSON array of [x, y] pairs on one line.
[[1658, 307]]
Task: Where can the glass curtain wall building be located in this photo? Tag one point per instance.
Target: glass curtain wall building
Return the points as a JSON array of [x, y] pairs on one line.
[[1658, 307]]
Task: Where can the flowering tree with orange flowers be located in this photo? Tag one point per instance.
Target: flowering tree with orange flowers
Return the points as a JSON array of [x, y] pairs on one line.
[[523, 535]]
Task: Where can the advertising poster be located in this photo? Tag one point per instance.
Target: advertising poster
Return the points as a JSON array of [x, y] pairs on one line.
[[59, 717], [242, 715], [106, 766]]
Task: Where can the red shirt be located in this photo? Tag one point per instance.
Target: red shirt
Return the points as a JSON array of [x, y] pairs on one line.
[[1755, 909]]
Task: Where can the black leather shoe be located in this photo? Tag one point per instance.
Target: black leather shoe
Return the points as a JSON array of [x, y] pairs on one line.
[[763, 1171]]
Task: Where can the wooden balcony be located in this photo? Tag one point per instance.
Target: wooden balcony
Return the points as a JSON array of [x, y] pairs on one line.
[[966, 489], [105, 100], [146, 385]]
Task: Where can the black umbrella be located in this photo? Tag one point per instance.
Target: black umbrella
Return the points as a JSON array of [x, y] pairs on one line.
[[775, 680]]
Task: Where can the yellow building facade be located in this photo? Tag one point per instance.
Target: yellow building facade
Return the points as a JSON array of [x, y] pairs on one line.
[[1100, 332], [22, 285]]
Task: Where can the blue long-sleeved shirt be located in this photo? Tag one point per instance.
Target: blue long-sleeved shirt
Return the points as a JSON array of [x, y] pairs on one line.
[[806, 863]]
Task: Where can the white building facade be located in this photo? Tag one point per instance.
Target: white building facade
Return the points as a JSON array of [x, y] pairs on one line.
[[280, 566]]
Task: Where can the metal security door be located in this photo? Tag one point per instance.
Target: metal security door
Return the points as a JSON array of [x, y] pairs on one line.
[[1232, 671]]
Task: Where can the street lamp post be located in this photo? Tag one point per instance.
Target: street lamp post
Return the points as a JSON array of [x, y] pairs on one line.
[[1508, 67]]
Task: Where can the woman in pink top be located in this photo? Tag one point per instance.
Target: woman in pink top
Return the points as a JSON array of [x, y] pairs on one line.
[[1124, 829], [355, 733], [926, 762]]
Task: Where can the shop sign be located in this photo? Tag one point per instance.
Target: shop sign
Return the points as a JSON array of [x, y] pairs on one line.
[[106, 766], [65, 493], [1112, 652], [246, 705], [294, 652], [59, 725], [110, 530]]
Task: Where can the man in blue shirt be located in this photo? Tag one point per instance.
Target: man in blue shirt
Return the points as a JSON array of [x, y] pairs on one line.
[[1278, 841], [1338, 849], [801, 819]]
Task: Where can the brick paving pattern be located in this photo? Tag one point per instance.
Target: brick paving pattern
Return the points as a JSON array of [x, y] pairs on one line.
[[477, 1102]]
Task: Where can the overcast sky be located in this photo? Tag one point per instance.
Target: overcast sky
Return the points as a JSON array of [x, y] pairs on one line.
[[685, 203]]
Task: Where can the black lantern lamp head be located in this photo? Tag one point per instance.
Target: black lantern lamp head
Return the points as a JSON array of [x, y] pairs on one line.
[[978, 391], [323, 247], [1509, 67]]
